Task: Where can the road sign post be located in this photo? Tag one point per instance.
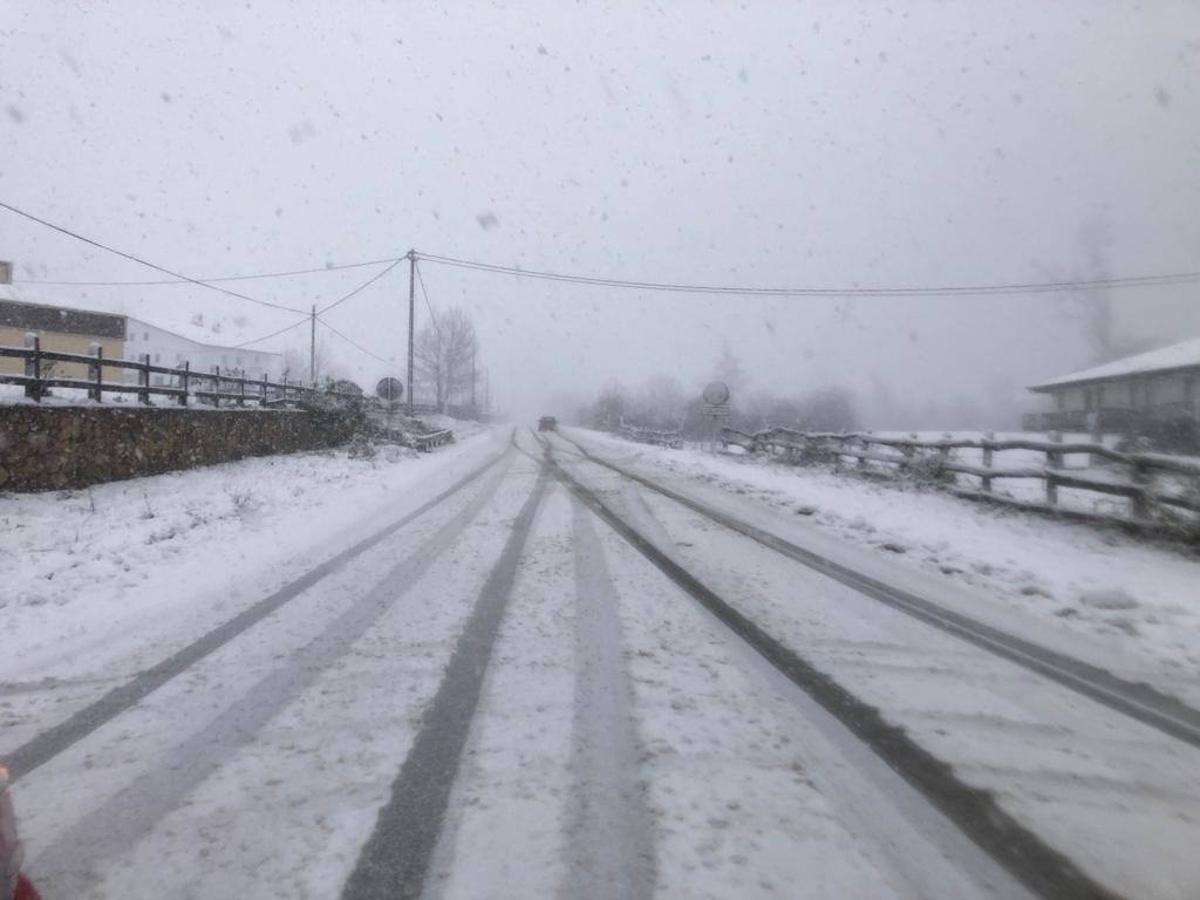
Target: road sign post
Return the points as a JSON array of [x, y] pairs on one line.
[[390, 391], [715, 409]]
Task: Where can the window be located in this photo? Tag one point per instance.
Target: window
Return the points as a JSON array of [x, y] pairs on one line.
[[145, 335]]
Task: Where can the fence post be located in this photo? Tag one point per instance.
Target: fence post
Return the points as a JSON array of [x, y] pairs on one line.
[[216, 380], [263, 401], [187, 371], [1053, 461], [988, 437], [1140, 501], [242, 390], [865, 440], [907, 451], [144, 379], [96, 351], [33, 367]]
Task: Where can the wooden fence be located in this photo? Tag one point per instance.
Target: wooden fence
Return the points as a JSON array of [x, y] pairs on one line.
[[1135, 476], [651, 436], [205, 387]]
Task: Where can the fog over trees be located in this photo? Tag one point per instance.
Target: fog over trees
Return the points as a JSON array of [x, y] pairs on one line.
[[444, 358], [662, 402]]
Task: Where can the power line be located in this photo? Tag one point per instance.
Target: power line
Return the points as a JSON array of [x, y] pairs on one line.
[[355, 344], [943, 290], [370, 281], [140, 261], [176, 281], [273, 333]]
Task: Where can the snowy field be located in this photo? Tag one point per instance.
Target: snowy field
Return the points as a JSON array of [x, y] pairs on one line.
[[1138, 597]]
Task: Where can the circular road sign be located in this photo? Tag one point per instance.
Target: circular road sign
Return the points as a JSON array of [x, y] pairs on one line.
[[716, 393], [390, 390]]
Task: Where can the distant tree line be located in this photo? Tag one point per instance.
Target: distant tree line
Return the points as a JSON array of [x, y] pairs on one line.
[[661, 402]]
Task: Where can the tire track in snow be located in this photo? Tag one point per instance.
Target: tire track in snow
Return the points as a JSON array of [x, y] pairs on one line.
[[1138, 701], [609, 830], [1039, 866], [50, 743], [69, 863], [395, 859]]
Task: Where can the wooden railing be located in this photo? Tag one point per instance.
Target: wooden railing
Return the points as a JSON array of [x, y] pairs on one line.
[[211, 388], [651, 436], [934, 460]]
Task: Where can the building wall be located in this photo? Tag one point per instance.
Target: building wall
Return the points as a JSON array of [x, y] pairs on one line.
[[1143, 393], [112, 348], [169, 349]]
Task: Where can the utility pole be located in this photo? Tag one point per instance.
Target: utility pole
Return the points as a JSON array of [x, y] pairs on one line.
[[312, 347], [412, 294]]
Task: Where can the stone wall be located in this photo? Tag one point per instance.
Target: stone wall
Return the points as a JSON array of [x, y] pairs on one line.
[[44, 448]]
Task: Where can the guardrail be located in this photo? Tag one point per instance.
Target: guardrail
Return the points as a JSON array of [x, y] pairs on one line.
[[426, 442], [933, 461], [651, 436], [205, 387]]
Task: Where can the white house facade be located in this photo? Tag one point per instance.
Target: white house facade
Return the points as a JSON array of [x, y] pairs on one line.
[[166, 348]]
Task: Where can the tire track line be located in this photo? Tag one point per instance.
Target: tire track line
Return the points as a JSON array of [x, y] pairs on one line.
[[71, 861], [1041, 868], [609, 831], [50, 743], [1138, 701], [395, 860]]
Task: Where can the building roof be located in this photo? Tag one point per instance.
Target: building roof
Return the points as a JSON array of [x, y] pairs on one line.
[[205, 344], [63, 319], [1185, 355]]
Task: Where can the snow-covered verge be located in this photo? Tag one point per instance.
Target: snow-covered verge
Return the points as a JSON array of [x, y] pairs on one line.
[[1144, 598], [94, 579]]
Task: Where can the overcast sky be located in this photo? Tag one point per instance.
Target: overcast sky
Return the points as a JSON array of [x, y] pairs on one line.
[[768, 144]]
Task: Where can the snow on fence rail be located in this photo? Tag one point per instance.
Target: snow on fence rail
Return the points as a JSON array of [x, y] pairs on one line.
[[933, 459], [38, 377], [651, 436]]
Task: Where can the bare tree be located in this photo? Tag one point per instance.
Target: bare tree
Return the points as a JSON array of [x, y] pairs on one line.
[[660, 403], [444, 353], [610, 407]]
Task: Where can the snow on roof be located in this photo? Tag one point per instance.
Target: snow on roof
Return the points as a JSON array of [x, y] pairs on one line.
[[1176, 356], [196, 329], [218, 324]]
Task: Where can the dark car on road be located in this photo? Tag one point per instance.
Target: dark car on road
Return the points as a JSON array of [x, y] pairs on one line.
[[547, 423]]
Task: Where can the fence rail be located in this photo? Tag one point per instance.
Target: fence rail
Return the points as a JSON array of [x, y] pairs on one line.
[[651, 436], [206, 387], [933, 459]]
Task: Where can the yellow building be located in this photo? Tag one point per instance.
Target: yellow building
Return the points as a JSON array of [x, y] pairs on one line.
[[61, 329]]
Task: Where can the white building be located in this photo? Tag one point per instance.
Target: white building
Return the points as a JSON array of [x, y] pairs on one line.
[[1155, 393], [166, 348]]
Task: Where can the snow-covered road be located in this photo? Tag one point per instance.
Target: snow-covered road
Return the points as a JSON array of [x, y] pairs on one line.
[[469, 684]]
